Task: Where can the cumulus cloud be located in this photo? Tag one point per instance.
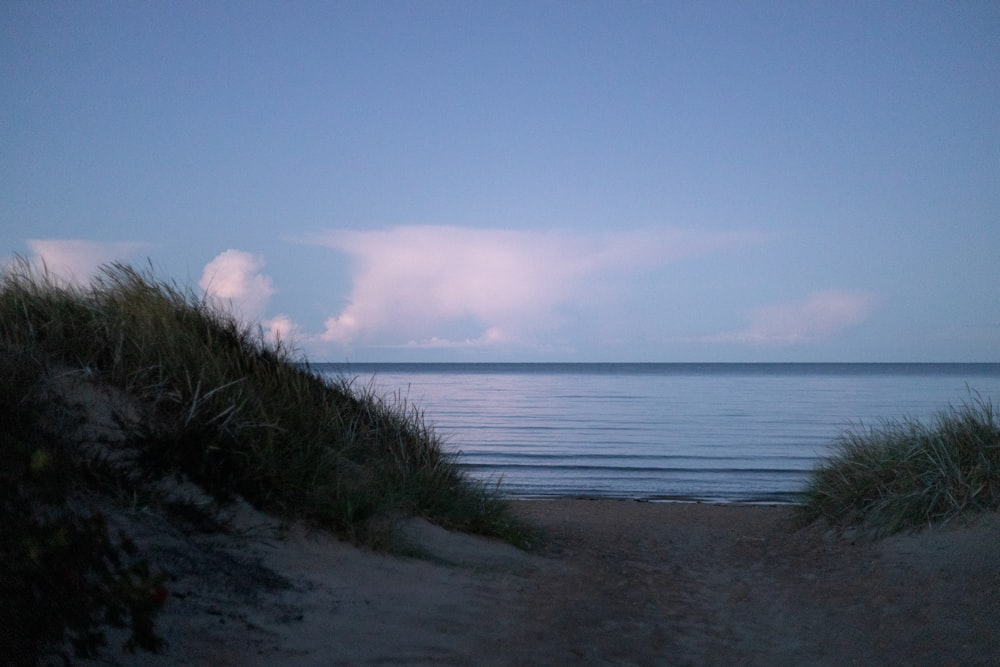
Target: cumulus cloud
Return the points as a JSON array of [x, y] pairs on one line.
[[281, 328], [819, 316], [235, 277], [77, 261], [411, 283]]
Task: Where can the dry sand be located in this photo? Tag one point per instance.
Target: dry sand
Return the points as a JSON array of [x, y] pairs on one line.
[[613, 583]]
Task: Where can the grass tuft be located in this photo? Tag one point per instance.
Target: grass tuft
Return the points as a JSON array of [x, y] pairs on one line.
[[905, 474]]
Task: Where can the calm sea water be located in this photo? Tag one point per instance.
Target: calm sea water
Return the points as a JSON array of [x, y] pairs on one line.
[[711, 432]]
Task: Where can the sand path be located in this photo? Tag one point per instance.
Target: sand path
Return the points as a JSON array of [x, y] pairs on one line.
[[614, 583], [653, 584]]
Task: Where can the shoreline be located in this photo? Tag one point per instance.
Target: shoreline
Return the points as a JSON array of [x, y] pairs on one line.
[[665, 499]]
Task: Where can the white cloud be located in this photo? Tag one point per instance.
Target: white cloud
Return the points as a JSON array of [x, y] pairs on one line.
[[235, 277], [819, 316], [492, 336], [77, 261], [281, 328], [416, 283]]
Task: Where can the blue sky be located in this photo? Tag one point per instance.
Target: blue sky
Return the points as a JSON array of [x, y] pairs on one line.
[[508, 181]]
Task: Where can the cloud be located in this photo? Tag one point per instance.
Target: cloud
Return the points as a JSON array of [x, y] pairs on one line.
[[819, 316], [492, 336], [414, 283], [281, 328], [235, 277], [77, 261]]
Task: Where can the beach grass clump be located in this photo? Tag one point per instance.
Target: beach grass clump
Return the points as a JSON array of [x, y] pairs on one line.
[[906, 474]]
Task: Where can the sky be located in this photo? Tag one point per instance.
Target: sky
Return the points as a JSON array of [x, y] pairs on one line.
[[524, 181]]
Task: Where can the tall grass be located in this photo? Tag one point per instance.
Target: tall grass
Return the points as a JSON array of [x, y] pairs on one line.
[[240, 415], [905, 474]]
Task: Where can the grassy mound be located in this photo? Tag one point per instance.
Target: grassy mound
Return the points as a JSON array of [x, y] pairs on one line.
[[906, 474], [220, 407]]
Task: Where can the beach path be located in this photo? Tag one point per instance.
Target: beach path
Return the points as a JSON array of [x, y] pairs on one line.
[[612, 583]]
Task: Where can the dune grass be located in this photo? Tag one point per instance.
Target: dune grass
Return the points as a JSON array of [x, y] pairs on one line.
[[240, 415], [221, 407], [905, 474]]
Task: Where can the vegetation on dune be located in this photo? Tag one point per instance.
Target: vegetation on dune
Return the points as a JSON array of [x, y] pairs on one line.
[[906, 474], [221, 407], [64, 574]]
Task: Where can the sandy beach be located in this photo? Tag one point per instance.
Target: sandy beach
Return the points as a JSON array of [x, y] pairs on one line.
[[611, 583]]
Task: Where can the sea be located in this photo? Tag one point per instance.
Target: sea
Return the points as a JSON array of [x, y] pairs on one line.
[[712, 432]]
